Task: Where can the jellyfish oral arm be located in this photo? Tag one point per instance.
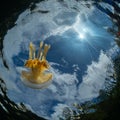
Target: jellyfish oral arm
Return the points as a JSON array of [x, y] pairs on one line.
[[40, 51], [46, 48], [31, 51]]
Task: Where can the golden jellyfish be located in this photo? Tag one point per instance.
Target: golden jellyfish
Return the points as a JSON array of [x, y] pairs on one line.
[[37, 74]]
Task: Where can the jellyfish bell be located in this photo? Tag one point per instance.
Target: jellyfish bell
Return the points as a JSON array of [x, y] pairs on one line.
[[41, 82], [36, 73]]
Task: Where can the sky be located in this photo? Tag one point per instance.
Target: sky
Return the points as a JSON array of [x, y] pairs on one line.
[[66, 87]]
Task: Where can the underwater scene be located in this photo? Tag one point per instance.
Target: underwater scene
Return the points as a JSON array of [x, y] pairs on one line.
[[60, 60]]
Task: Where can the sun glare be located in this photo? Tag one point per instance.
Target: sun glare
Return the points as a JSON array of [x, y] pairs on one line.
[[82, 36]]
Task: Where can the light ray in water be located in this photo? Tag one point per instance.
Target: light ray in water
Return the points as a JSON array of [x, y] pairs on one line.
[[92, 46]]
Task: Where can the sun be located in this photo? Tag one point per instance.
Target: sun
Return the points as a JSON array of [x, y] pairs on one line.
[[81, 36]]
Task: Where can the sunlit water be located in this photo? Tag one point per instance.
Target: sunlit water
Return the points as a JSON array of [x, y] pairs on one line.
[[80, 56]]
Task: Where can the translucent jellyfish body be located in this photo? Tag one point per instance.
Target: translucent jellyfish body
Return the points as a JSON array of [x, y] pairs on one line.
[[36, 73]]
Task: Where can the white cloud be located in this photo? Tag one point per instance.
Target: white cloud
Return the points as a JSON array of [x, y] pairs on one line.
[[9, 77], [62, 85], [58, 112], [95, 76]]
